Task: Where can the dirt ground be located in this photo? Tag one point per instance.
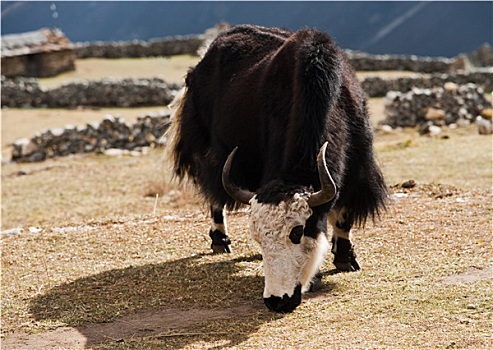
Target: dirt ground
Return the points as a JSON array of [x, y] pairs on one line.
[[104, 252], [141, 283], [91, 258]]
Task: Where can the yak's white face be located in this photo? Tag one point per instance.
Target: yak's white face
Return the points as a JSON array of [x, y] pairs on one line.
[[290, 259]]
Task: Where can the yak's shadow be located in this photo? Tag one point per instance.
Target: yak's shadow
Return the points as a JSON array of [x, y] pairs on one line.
[[200, 297]]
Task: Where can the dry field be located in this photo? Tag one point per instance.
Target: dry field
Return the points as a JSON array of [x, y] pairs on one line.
[[172, 69], [90, 258]]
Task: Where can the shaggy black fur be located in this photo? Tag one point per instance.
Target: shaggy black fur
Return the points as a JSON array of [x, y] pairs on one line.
[[278, 96]]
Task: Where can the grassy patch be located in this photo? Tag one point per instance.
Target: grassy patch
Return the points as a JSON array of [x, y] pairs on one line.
[[462, 159]]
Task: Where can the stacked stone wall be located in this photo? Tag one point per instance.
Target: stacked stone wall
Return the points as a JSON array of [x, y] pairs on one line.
[[439, 98], [100, 137], [366, 62], [177, 45], [190, 44], [446, 105], [22, 92], [378, 87], [25, 92]]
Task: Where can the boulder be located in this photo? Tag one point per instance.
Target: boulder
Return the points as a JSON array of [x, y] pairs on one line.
[[434, 113], [484, 126]]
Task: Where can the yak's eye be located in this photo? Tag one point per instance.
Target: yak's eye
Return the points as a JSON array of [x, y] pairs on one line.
[[296, 234]]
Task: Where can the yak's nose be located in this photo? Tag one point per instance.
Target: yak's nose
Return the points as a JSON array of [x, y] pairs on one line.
[[286, 303]]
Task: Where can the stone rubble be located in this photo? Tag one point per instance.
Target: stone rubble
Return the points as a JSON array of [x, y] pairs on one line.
[[441, 96], [451, 104], [169, 46], [26, 93], [112, 136], [378, 87], [365, 62]]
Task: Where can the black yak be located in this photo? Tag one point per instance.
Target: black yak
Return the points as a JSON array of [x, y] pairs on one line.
[[278, 120]]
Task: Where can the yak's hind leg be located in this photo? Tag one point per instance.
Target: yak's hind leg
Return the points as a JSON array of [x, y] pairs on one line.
[[342, 247], [218, 232]]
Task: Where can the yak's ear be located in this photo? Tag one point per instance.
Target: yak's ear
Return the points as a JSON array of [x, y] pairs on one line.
[[296, 234]]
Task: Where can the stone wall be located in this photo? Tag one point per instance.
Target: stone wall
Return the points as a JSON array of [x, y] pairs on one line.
[[177, 45], [439, 106], [101, 137], [25, 92], [22, 92], [366, 62], [190, 44], [438, 98], [445, 105], [378, 87]]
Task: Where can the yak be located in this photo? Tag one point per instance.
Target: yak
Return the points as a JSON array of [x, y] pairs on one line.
[[277, 120]]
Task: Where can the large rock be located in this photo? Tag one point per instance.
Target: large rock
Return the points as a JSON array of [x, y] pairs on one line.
[[484, 126]]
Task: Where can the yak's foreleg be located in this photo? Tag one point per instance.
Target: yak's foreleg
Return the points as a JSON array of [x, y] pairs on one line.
[[342, 247], [218, 232]]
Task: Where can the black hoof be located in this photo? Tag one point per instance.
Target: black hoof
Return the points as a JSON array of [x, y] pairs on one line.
[[346, 267], [220, 242], [345, 257], [316, 283], [220, 249]]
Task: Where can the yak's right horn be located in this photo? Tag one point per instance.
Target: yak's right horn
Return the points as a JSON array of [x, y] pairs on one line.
[[328, 190]]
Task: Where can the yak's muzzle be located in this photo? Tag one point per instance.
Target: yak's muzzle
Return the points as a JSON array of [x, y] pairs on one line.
[[286, 303]]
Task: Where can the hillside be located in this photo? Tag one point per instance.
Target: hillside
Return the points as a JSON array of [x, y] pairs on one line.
[[420, 28]]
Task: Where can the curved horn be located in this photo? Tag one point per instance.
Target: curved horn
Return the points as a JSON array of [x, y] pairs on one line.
[[328, 190], [238, 194]]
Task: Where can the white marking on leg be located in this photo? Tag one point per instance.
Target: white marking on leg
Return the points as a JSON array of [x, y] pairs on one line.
[[338, 233], [337, 216], [217, 226]]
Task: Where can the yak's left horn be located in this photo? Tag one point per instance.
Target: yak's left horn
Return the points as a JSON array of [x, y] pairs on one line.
[[328, 190], [238, 194]]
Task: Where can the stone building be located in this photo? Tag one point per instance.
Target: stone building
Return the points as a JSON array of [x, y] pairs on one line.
[[41, 53]]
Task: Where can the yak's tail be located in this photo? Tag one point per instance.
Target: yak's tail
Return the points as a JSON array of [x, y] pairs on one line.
[[172, 134]]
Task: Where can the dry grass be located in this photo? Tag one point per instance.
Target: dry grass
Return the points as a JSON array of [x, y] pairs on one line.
[[93, 264], [104, 187], [102, 270], [388, 74], [171, 69], [93, 187], [459, 157]]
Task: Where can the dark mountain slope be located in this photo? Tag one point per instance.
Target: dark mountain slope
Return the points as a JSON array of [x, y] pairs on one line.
[[422, 28]]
